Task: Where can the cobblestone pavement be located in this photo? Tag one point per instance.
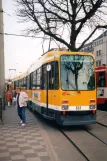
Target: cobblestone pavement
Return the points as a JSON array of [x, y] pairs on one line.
[[21, 143]]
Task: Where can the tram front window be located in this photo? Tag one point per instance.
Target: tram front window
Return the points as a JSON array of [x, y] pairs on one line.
[[101, 80], [77, 72]]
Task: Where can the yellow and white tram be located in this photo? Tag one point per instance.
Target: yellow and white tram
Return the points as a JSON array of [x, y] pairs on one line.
[[61, 87]]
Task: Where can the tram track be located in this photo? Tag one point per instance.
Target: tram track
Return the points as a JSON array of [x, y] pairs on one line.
[[101, 124], [96, 136], [77, 141], [78, 148], [72, 142]]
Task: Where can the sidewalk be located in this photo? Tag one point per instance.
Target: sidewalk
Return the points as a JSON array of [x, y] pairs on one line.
[[21, 143]]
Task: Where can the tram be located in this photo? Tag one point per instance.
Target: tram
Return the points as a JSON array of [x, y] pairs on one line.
[[101, 82], [61, 86]]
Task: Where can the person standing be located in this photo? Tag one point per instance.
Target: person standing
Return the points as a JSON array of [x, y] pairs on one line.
[[12, 96], [21, 103], [8, 97]]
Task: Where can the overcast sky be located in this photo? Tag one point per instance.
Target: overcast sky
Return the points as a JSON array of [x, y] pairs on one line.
[[20, 52]]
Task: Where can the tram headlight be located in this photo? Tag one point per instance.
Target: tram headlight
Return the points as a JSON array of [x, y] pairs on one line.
[[65, 107], [92, 107]]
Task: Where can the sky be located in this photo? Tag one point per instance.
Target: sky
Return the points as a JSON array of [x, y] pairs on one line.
[[20, 52]]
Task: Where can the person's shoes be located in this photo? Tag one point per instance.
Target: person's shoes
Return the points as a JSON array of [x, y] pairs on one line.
[[21, 121], [23, 125]]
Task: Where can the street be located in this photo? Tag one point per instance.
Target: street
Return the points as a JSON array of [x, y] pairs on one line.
[[77, 143]]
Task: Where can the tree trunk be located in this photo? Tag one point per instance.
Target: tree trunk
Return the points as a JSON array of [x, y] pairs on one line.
[[76, 80]]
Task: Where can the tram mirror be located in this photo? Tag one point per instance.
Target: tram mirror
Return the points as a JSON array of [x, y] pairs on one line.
[[48, 67]]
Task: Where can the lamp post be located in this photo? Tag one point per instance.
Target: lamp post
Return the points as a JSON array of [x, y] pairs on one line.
[[2, 73]]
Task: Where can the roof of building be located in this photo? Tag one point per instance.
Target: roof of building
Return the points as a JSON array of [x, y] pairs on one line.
[[102, 35], [88, 44]]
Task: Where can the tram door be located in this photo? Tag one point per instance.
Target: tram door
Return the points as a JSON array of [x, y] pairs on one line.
[[50, 78]]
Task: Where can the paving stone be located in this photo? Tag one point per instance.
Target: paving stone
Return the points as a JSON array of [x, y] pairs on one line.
[[33, 159], [42, 154], [6, 158], [13, 149], [37, 147], [32, 155], [3, 147], [17, 157], [18, 143], [45, 158], [30, 151]]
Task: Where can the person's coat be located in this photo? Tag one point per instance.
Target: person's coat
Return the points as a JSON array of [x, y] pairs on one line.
[[23, 98], [8, 96]]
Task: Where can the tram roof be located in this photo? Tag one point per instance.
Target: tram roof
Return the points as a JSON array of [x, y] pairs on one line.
[[53, 54]]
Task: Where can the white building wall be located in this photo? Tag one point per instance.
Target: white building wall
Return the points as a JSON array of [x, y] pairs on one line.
[[99, 49]]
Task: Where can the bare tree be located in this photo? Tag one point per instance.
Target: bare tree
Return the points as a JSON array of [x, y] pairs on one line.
[[74, 67], [78, 66], [52, 17]]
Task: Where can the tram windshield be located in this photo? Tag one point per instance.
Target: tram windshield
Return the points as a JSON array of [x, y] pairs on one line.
[[77, 72]]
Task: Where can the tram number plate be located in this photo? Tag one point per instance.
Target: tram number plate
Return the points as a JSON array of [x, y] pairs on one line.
[[78, 108]]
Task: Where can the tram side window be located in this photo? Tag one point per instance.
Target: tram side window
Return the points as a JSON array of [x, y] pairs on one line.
[[44, 77], [34, 80], [17, 83], [31, 78], [14, 84], [38, 78], [28, 82], [53, 76], [21, 83], [25, 82], [101, 80]]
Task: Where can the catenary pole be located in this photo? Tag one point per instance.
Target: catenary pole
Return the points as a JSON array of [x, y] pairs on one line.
[[2, 70]]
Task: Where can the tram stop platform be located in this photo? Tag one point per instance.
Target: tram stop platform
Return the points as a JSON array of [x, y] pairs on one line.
[[19, 143]]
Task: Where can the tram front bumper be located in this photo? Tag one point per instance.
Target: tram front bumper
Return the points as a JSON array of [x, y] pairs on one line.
[[66, 120]]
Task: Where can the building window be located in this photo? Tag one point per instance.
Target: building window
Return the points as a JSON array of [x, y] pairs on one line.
[[99, 52], [96, 53], [98, 63], [101, 81]]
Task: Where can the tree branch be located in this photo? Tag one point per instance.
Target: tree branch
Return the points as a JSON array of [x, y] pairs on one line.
[[97, 27]]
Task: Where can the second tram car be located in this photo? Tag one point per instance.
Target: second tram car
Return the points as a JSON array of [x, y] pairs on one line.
[[61, 87], [101, 82]]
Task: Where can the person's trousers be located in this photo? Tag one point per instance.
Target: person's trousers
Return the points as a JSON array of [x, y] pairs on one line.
[[8, 103], [21, 113]]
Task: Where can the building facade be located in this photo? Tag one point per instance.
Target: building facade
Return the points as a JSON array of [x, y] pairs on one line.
[[99, 48]]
